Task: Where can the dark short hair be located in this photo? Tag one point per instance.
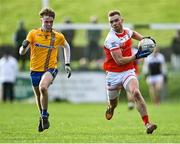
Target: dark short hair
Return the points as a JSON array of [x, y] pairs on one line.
[[47, 12], [114, 12]]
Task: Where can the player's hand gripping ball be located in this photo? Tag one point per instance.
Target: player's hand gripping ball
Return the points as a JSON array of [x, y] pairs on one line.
[[147, 43]]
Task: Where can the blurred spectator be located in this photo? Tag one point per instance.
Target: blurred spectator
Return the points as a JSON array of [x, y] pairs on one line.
[[8, 74], [93, 51], [69, 34], [19, 36], [83, 64], [175, 57], [155, 71]]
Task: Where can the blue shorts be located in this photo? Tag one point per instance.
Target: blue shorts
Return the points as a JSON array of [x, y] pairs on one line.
[[36, 76]]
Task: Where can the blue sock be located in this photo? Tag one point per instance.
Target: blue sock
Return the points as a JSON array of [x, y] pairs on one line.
[[44, 113]]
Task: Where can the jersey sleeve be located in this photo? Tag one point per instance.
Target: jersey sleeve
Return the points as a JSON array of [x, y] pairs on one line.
[[111, 43], [30, 36], [61, 39]]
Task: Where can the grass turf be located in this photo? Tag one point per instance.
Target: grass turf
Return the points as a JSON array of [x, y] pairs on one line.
[[75, 123]]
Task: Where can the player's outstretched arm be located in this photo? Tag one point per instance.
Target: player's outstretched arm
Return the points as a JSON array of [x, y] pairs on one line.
[[137, 36], [67, 56]]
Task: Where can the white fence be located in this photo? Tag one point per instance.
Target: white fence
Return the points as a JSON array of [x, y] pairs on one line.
[[81, 87], [85, 26]]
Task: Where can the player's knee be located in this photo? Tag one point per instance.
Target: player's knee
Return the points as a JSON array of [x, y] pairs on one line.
[[112, 94], [43, 88]]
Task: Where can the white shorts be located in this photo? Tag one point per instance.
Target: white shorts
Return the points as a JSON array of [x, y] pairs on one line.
[[117, 80], [155, 79]]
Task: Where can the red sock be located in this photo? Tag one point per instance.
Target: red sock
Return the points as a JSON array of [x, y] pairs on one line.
[[145, 119]]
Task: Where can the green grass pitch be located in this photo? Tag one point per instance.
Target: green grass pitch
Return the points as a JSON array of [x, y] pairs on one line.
[[81, 123]]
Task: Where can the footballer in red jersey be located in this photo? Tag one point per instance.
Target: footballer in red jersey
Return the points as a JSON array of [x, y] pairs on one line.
[[120, 69]]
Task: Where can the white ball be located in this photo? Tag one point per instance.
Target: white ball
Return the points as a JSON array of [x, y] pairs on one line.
[[147, 44]]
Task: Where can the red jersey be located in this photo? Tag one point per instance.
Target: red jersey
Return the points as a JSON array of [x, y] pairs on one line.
[[121, 41]]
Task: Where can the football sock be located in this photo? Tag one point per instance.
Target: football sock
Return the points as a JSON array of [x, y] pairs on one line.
[[44, 113], [145, 119]]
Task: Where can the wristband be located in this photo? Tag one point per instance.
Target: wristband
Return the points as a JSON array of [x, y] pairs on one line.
[[25, 43], [67, 64]]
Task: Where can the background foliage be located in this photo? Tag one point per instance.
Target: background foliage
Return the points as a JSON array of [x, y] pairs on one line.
[[134, 11]]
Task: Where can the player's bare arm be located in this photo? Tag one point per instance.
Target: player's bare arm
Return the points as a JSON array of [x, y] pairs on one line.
[[119, 59], [67, 56], [67, 52], [137, 36]]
